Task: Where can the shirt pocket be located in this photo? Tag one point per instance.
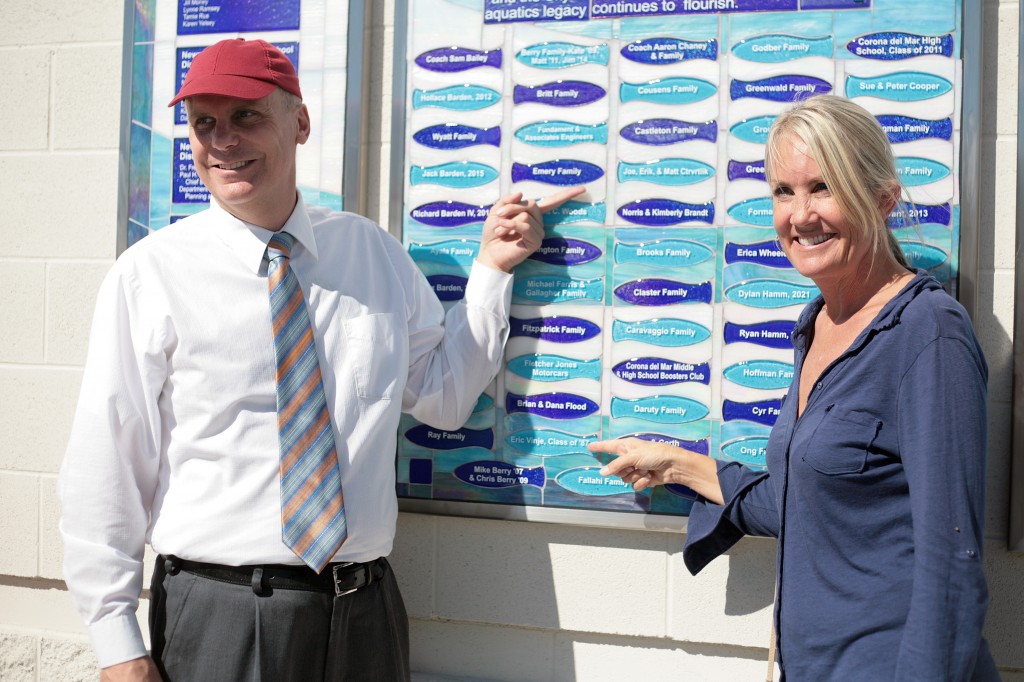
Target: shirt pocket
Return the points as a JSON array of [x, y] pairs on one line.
[[377, 355], [841, 441]]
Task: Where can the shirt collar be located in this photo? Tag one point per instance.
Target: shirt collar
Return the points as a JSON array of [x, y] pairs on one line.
[[889, 314], [249, 242]]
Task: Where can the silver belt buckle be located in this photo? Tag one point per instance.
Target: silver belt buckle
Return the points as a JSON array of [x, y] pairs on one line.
[[334, 571]]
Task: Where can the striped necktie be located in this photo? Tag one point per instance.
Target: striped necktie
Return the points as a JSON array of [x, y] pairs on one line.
[[312, 504]]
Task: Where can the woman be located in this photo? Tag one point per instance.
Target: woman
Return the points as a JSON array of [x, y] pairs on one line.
[[876, 464]]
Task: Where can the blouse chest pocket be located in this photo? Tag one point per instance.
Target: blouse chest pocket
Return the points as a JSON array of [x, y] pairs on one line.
[[378, 357], [841, 441]]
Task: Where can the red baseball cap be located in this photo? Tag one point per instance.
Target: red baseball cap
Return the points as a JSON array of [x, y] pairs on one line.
[[246, 69]]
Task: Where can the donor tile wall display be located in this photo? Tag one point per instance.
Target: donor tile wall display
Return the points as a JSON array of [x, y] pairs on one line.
[[659, 305], [167, 34]]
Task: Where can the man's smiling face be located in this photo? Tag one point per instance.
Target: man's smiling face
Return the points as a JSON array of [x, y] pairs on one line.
[[244, 152]]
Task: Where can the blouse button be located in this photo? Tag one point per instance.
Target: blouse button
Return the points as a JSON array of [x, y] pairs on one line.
[[819, 385], [971, 553]]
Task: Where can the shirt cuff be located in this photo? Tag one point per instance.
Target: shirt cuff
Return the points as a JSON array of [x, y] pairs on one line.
[[116, 640], [709, 532], [489, 288]]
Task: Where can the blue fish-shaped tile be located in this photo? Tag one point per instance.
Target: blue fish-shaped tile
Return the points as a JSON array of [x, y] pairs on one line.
[[448, 136], [895, 45], [589, 481], [770, 293], [921, 255], [767, 253], [770, 334], [457, 174], [776, 48], [561, 133], [452, 251], [701, 447], [787, 88], [909, 86], [566, 251], [677, 253], [448, 287], [557, 329], [758, 211], [760, 412], [677, 90], [754, 130], [456, 98], [438, 439], [907, 129], [660, 409], [544, 367], [669, 50], [672, 172], [938, 214], [494, 474], [746, 170], [663, 131], [651, 371], [558, 289], [665, 332], [760, 374], [548, 442], [657, 291], [455, 59], [560, 172], [556, 405], [560, 55], [914, 171], [559, 93], [449, 214], [751, 451], [576, 212], [665, 212]]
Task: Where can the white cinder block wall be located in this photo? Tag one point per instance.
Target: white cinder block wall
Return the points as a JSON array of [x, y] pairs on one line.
[[489, 600]]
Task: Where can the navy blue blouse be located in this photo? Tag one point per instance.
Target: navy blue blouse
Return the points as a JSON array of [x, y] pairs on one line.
[[877, 496]]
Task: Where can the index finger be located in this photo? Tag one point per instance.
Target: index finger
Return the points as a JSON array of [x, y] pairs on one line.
[[555, 200], [612, 446]]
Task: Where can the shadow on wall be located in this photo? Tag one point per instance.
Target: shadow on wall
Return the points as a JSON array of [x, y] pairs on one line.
[[751, 583], [511, 601]]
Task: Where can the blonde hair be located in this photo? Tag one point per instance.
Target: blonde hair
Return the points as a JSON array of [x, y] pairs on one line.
[[855, 159]]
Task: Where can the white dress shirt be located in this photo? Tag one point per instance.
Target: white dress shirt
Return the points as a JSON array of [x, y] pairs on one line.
[[175, 438]]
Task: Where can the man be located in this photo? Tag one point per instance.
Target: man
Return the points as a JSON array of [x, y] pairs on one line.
[[240, 403]]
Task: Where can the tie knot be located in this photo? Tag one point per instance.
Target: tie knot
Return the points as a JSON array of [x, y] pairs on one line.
[[280, 246]]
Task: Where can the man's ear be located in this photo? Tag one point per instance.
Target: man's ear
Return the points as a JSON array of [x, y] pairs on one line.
[[303, 132]]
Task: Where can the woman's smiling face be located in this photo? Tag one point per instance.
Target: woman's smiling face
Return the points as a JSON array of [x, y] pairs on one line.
[[811, 228]]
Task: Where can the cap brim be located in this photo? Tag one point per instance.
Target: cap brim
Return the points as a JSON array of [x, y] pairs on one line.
[[224, 85]]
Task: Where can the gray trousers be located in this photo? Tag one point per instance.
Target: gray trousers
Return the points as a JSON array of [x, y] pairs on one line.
[[203, 630]]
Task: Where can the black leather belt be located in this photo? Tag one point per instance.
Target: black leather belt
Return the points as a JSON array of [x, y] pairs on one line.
[[339, 578]]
